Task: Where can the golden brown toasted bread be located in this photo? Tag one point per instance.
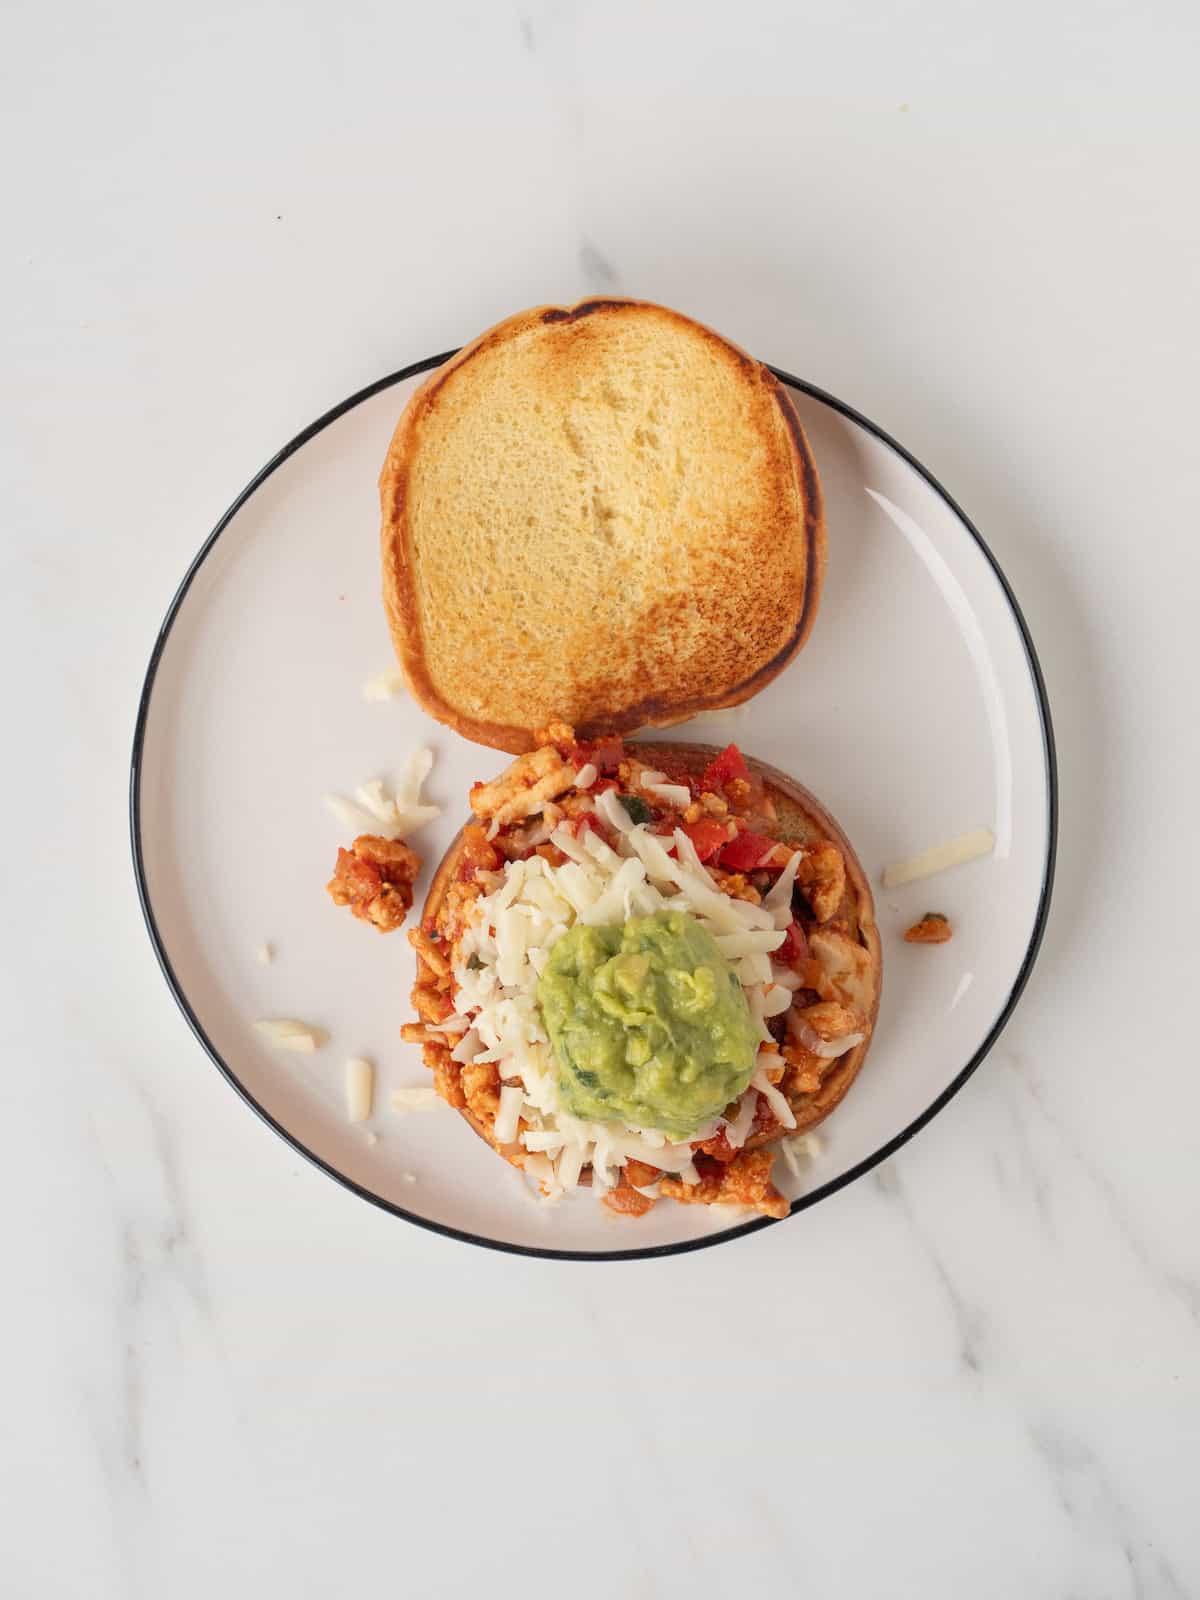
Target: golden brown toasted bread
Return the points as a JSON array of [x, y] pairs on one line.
[[604, 513], [801, 819]]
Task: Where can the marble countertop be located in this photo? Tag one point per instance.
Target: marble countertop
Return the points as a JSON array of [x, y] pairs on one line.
[[976, 1371]]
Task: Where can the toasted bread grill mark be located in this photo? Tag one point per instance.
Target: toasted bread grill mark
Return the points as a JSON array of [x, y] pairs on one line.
[[602, 512], [585, 308]]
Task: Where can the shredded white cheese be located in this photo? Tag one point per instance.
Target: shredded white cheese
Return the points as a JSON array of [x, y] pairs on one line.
[[467, 1048], [785, 978], [285, 1033], [373, 798], [586, 776], [827, 1049], [800, 1144], [456, 1024], [383, 685], [613, 812], [512, 1097], [359, 1080], [392, 816], [264, 955], [569, 1166], [790, 1155], [353, 818], [672, 794], [777, 997], [747, 942], [778, 898], [738, 1130], [424, 1099], [775, 1098], [541, 1170], [528, 905], [967, 847]]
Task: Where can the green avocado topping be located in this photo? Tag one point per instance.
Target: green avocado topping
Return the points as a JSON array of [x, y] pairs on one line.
[[648, 1023]]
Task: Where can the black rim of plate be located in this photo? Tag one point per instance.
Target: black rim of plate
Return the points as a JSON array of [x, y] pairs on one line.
[[742, 1229]]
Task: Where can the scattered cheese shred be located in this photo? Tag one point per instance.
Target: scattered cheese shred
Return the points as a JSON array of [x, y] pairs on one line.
[[383, 685], [800, 1144], [456, 1024], [541, 1170], [672, 794], [774, 1098], [777, 997], [570, 1165], [393, 816], [827, 1049], [285, 1033], [778, 900], [415, 1099], [507, 1117], [372, 797], [352, 817], [787, 1148], [264, 955], [967, 847], [359, 1077], [512, 928], [738, 1130]]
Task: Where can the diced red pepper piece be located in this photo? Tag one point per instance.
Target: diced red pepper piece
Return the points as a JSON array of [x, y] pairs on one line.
[[709, 1170], [708, 835], [746, 852], [718, 1147], [605, 756], [794, 947], [731, 763]]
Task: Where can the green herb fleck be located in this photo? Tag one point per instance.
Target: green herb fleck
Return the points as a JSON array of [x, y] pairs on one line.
[[636, 807]]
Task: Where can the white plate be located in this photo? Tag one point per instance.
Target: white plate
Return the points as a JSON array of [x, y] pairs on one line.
[[916, 713]]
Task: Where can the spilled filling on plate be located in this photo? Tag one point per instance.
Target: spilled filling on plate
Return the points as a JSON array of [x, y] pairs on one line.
[[632, 981]]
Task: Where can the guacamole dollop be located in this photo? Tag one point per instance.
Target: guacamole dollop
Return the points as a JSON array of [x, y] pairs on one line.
[[648, 1023]]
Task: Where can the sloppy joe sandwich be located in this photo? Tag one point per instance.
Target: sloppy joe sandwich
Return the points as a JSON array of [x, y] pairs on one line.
[[642, 966]]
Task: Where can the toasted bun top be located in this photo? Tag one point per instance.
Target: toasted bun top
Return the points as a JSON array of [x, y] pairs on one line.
[[604, 514]]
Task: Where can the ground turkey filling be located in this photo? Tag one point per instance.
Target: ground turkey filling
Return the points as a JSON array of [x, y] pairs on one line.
[[731, 823]]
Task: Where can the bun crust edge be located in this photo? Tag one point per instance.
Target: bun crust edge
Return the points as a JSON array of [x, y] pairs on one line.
[[399, 595]]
